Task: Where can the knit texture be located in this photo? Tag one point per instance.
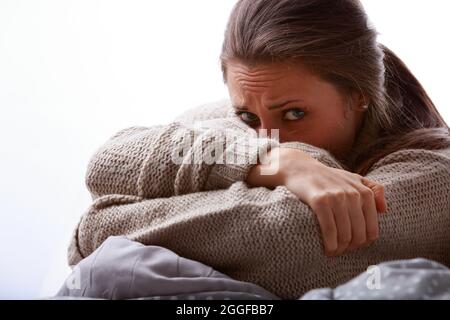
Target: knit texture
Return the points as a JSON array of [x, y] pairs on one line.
[[206, 212]]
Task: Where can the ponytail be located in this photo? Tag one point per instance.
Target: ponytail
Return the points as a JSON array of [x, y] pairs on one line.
[[415, 121]]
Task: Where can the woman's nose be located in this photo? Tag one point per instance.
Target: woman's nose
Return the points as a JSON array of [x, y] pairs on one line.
[[270, 129]]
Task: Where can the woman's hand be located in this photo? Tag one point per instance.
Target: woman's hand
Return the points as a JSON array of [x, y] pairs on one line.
[[345, 203]]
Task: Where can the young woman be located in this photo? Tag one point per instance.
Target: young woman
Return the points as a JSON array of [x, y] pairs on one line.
[[358, 136]]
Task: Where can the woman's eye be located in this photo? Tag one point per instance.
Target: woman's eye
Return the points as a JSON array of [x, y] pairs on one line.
[[247, 117], [294, 114]]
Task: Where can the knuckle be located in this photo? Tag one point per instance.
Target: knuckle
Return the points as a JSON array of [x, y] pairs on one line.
[[328, 197], [356, 176], [353, 194], [321, 199], [339, 195], [379, 188], [367, 193]]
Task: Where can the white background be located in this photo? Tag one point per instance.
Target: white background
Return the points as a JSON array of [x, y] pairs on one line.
[[72, 73]]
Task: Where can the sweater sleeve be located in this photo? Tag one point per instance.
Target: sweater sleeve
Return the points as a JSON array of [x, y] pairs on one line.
[[175, 159], [181, 158], [270, 238]]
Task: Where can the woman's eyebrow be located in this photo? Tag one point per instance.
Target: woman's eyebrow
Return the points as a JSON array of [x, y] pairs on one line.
[[272, 107], [241, 108], [281, 105]]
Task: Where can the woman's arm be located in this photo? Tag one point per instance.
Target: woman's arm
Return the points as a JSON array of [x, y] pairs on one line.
[[175, 159], [273, 239], [345, 203], [140, 160]]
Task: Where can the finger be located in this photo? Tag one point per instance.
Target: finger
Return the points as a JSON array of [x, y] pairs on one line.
[[380, 199], [343, 226], [328, 228], [378, 191], [370, 214], [356, 214]]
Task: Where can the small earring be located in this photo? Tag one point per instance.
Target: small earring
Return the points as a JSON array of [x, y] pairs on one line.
[[365, 107]]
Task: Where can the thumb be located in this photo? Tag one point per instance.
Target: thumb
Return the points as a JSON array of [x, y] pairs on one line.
[[378, 191]]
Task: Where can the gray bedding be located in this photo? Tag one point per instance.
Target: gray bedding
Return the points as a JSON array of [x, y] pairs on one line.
[[124, 269]]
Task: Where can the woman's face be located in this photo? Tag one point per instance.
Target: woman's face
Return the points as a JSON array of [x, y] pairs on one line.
[[302, 106]]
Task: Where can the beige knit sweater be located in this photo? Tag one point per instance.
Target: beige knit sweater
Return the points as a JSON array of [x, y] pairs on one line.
[[207, 213]]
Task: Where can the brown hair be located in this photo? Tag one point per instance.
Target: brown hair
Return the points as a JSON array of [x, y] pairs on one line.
[[336, 41]]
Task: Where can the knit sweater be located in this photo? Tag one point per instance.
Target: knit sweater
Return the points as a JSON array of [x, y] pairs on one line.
[[206, 212]]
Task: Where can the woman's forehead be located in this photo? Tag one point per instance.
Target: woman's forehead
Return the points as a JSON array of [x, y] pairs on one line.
[[267, 70], [270, 82]]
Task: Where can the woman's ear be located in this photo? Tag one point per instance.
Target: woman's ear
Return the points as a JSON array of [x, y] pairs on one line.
[[359, 102]]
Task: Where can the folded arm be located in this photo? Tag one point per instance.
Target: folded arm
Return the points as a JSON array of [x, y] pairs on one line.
[[271, 238], [176, 159]]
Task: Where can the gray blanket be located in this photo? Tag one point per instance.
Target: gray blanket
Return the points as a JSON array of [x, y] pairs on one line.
[[124, 269]]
